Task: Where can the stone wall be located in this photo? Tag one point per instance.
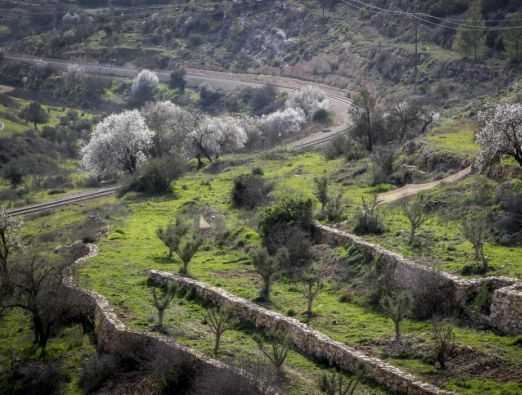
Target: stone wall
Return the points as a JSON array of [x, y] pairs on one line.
[[458, 293], [308, 341], [506, 309], [113, 337]]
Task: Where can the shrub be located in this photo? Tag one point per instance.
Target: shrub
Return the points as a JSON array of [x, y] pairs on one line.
[[289, 224], [368, 220], [250, 191], [344, 146], [443, 342], [156, 176], [96, 370], [32, 378]]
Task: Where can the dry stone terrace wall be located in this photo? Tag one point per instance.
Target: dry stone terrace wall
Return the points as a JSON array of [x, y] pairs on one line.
[[113, 336], [506, 306], [308, 341]]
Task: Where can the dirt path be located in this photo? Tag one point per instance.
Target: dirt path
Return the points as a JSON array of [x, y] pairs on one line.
[[413, 189]]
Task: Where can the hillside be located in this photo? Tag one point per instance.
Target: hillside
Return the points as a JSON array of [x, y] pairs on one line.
[[261, 197]]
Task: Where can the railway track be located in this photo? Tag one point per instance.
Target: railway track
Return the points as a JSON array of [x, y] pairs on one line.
[[341, 106], [81, 197]]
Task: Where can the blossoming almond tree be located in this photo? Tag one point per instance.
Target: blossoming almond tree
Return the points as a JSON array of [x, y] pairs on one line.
[[171, 125], [215, 136], [500, 135], [119, 144], [309, 99]]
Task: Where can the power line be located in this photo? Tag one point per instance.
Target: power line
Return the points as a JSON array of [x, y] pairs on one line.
[[425, 18]]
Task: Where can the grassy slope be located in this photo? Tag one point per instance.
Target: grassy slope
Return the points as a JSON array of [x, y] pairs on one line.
[[132, 248]]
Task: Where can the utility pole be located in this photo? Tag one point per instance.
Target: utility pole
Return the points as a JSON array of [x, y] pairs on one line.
[[416, 52]]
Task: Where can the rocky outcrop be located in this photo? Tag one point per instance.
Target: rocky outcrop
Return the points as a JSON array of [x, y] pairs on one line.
[[307, 340], [456, 293], [114, 337]]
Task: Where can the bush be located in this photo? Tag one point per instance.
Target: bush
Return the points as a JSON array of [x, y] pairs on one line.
[[368, 220], [32, 378], [250, 191], [96, 370], [344, 146], [289, 224], [156, 176], [321, 116]]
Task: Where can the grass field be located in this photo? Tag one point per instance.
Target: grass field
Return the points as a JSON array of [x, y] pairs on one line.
[[132, 248]]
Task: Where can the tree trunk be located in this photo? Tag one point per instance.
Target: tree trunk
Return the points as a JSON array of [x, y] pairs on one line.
[[265, 292], [412, 235], [397, 331], [161, 313], [217, 342], [310, 301]]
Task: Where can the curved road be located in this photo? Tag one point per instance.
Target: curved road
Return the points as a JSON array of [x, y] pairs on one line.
[[340, 105]]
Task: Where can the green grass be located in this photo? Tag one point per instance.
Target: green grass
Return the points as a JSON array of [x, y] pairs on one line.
[[68, 349], [442, 242], [454, 136], [132, 248]]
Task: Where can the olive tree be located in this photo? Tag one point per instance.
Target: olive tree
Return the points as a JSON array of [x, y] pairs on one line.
[[35, 114], [312, 280], [415, 212], [219, 321], [162, 301], [277, 350], [268, 266], [397, 306], [119, 144], [476, 231]]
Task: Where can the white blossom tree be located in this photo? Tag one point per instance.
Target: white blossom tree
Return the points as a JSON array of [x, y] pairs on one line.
[[119, 144], [144, 87], [501, 134], [281, 124], [309, 99], [215, 136], [171, 125]]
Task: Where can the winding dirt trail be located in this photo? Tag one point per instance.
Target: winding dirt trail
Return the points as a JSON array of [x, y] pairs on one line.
[[414, 189]]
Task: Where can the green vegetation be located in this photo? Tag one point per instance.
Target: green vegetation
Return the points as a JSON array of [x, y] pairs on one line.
[[132, 248], [454, 136]]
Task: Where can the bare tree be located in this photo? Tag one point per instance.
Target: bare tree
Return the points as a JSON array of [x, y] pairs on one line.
[[219, 322], [415, 212], [267, 267], [337, 384], [397, 306], [9, 242], [443, 342], [476, 230], [37, 288], [365, 116], [277, 351], [163, 301]]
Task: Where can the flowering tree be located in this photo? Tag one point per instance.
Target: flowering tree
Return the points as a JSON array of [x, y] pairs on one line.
[[215, 136], [281, 124], [144, 87], [501, 134], [171, 125], [119, 143], [309, 99]]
